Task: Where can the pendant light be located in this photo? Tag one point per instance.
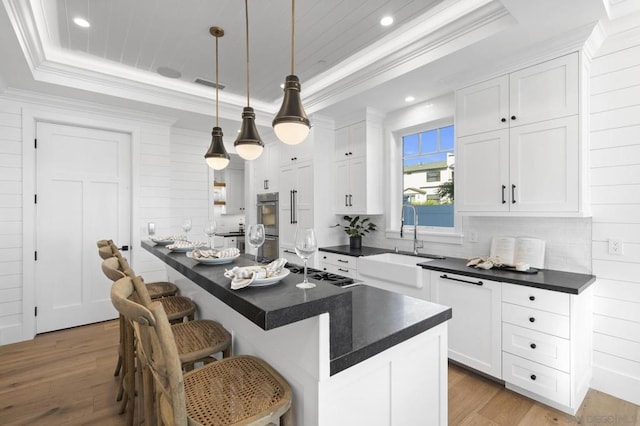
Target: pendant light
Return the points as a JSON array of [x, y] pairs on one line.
[[248, 144], [217, 157], [291, 124]]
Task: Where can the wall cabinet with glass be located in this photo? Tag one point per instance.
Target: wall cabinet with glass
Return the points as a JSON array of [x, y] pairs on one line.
[[518, 146], [358, 169]]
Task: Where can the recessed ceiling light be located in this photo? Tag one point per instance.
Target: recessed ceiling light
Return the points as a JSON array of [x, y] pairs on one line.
[[386, 21], [169, 72], [81, 22], [409, 99]]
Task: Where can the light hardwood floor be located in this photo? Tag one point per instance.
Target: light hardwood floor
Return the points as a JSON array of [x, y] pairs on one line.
[[66, 378]]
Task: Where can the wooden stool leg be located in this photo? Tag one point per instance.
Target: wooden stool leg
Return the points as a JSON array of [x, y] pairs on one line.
[[148, 392], [128, 402]]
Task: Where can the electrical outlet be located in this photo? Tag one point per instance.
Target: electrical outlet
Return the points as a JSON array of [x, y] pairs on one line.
[[616, 247], [473, 237]]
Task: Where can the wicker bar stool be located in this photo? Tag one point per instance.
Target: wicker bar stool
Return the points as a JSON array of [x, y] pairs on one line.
[[177, 308], [240, 390], [107, 249]]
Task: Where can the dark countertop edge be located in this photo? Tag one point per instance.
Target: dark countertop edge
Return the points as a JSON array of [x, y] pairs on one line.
[[514, 278], [348, 251], [354, 357], [230, 234]]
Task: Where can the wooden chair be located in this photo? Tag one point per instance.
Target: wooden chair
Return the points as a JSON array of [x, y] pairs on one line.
[[240, 390], [107, 249]]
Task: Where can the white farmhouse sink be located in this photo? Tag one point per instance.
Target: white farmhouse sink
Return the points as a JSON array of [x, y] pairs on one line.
[[393, 268]]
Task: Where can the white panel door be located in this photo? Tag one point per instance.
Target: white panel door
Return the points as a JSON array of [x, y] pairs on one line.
[[483, 107], [83, 186]]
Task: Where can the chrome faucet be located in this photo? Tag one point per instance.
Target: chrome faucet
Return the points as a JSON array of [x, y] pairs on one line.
[[415, 227]]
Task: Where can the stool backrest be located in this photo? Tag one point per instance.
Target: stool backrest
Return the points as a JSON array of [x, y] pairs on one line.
[[156, 344], [111, 268]]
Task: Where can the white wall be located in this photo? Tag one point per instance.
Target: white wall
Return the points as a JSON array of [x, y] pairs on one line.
[[10, 221], [615, 192], [19, 113]]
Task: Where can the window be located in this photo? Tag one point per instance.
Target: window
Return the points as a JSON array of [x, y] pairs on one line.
[[427, 176]]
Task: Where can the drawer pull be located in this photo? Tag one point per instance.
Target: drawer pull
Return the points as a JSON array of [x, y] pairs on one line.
[[532, 319], [532, 298], [324, 257], [343, 261], [343, 270], [460, 280], [532, 346], [533, 377]]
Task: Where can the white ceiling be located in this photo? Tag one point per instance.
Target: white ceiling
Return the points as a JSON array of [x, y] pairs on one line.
[[346, 61]]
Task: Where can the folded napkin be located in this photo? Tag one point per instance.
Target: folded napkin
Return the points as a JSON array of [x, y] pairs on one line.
[[168, 238], [185, 245], [243, 276], [215, 253]]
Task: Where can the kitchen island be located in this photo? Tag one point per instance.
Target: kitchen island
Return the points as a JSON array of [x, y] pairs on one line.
[[358, 355]]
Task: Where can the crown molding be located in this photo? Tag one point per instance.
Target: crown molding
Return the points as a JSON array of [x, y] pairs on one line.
[[58, 102], [437, 33]]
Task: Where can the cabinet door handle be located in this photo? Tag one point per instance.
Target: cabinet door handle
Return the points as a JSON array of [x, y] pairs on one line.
[[504, 120], [294, 209], [343, 270], [343, 261], [503, 188], [350, 153], [513, 194], [289, 251], [446, 277], [532, 298], [533, 377], [291, 203], [346, 200], [532, 346], [513, 117], [532, 319], [350, 199], [346, 153]]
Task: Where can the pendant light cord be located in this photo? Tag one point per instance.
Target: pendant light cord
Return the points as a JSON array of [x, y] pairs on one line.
[[246, 15], [293, 25], [217, 85]]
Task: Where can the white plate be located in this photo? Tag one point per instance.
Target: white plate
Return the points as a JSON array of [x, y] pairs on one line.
[[162, 242], [212, 260], [262, 282]]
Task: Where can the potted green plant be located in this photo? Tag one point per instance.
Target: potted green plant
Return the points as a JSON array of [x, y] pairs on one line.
[[356, 228]]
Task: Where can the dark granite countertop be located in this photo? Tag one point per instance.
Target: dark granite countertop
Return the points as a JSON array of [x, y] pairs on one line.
[[363, 321], [230, 234], [565, 282]]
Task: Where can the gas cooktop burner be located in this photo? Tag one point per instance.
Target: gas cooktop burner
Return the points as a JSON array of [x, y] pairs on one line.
[[318, 275]]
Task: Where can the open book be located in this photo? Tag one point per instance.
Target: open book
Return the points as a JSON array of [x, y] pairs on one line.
[[511, 251]]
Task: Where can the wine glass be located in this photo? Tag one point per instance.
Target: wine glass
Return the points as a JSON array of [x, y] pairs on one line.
[[306, 245], [210, 231], [256, 237], [186, 227]]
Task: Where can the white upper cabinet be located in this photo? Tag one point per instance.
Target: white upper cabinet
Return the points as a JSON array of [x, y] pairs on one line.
[[518, 147], [235, 191], [358, 165], [266, 170], [290, 154], [538, 93]]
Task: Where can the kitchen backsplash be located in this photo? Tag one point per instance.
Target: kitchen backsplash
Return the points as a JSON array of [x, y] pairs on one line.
[[568, 240], [229, 222]]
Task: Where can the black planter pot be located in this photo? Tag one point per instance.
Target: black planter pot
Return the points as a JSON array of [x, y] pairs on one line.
[[355, 242]]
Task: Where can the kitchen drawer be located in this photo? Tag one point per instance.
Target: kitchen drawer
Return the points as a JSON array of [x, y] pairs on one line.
[[347, 262], [534, 319], [339, 270], [549, 350], [551, 301], [544, 381]]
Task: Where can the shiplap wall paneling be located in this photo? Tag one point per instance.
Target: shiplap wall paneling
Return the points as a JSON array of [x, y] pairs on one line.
[[10, 222], [615, 180], [189, 181], [154, 201]]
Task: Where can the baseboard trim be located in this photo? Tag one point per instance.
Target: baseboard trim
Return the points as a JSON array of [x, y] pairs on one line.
[[616, 384]]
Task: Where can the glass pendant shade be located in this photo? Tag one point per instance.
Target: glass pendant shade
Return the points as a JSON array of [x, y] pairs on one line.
[[248, 144], [291, 124], [217, 157]]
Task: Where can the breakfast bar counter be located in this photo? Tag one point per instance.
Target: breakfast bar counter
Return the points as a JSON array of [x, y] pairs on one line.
[[334, 345]]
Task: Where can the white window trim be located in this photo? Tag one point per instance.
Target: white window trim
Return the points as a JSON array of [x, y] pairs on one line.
[[430, 234]]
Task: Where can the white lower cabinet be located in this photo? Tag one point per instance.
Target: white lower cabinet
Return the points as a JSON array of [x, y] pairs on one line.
[[546, 344], [475, 330], [339, 264]]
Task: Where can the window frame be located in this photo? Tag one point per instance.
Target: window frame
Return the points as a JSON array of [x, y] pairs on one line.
[[449, 235]]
